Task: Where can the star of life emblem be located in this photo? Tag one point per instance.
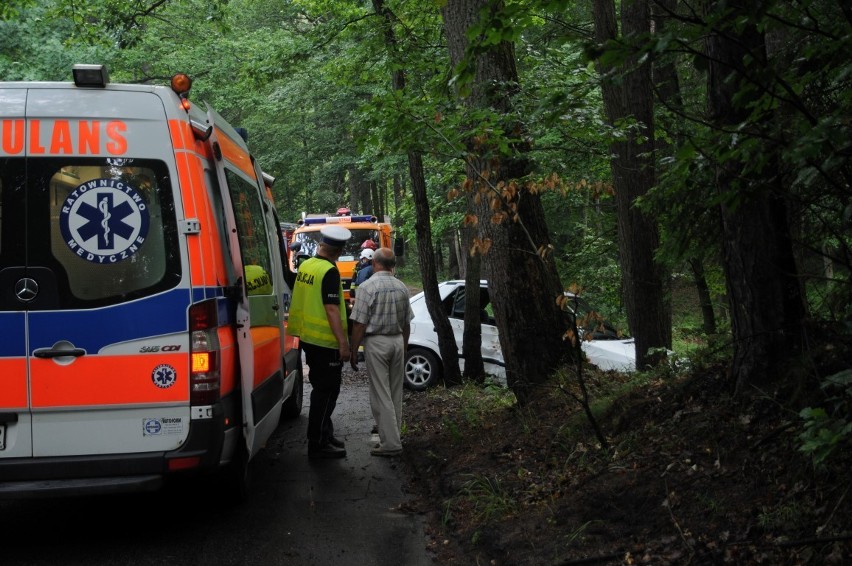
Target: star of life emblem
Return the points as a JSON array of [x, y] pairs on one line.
[[104, 221], [164, 376]]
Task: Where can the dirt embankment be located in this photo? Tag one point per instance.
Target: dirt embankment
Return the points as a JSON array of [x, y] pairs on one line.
[[692, 477]]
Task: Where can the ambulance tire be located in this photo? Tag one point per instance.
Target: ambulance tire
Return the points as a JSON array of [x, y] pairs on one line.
[[236, 477], [293, 405], [422, 369]]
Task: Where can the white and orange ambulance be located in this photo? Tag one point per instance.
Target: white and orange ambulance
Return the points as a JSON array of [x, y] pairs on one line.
[[142, 294]]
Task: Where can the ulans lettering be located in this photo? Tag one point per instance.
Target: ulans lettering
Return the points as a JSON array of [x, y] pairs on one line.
[[62, 137]]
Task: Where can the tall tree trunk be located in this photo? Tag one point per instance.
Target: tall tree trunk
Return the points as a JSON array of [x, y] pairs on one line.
[[704, 298], [644, 281], [398, 195], [531, 322], [359, 191], [474, 367], [766, 302], [453, 268], [376, 201], [423, 228], [667, 85]]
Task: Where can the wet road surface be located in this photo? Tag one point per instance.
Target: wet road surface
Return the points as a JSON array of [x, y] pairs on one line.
[[299, 512]]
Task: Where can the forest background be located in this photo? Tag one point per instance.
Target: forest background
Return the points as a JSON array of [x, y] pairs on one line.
[[622, 150]]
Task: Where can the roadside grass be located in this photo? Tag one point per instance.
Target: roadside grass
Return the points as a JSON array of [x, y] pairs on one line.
[[473, 410], [551, 452], [488, 497], [483, 499]]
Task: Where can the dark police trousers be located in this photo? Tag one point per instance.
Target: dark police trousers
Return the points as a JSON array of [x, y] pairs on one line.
[[325, 368]]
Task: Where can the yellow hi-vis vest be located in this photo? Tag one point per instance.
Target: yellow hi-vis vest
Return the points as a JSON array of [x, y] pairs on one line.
[[307, 313], [258, 281]]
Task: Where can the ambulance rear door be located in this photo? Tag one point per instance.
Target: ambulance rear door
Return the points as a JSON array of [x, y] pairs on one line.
[[258, 313], [15, 417], [91, 272]]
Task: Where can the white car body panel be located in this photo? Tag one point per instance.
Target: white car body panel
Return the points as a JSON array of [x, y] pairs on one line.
[[606, 354], [619, 355]]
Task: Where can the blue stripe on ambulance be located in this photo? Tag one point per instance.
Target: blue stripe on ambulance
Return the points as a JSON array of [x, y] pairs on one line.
[[108, 325], [114, 324], [12, 338]]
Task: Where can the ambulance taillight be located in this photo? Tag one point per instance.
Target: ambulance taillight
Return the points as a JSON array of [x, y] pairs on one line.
[[204, 379]]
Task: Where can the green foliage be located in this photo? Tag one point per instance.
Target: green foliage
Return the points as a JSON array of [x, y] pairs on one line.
[[480, 402], [793, 141], [34, 45], [487, 497], [829, 428], [311, 80], [589, 263], [452, 428], [11, 8], [782, 517]]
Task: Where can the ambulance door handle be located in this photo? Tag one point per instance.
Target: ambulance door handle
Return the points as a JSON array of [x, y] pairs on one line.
[[58, 353]]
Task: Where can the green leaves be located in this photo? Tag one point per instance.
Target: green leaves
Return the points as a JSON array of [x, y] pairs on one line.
[[827, 429]]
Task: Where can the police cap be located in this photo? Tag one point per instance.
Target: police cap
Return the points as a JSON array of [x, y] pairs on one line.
[[335, 236]]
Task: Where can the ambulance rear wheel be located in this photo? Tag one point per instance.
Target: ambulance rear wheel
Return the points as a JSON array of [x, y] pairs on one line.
[[293, 405], [236, 477]]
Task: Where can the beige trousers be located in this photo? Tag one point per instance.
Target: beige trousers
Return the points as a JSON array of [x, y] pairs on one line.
[[385, 359]]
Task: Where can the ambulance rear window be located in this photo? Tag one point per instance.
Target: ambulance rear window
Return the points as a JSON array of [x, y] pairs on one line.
[[112, 228]]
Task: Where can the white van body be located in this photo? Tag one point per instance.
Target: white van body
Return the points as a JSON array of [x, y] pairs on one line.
[[132, 346]]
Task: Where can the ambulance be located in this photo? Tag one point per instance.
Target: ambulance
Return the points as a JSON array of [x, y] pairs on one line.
[[305, 239], [142, 297]]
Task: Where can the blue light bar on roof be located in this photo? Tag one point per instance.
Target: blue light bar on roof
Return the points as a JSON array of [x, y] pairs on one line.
[[340, 219]]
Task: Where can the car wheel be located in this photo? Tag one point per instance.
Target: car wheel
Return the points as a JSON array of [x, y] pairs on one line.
[[293, 405], [422, 369]]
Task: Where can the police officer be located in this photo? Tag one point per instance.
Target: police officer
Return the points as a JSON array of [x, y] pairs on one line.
[[318, 318]]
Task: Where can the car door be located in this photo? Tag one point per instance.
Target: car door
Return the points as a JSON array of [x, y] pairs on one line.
[[90, 296], [490, 340]]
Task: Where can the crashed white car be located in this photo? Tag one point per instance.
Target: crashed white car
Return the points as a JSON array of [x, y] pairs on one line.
[[423, 362]]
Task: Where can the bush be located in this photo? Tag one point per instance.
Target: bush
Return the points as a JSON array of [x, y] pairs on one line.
[[828, 428]]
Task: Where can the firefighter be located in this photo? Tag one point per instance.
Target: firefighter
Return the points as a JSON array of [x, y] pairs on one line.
[[365, 262]]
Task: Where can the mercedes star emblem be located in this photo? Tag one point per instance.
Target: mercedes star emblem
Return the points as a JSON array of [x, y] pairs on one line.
[[26, 289]]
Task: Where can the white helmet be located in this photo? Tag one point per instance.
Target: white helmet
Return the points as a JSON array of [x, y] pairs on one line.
[[367, 254]]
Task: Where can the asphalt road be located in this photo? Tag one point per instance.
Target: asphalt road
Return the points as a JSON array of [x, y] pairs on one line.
[[300, 512]]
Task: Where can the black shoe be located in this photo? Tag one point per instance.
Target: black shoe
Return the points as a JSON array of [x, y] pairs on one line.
[[336, 442], [325, 451], [375, 429]]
